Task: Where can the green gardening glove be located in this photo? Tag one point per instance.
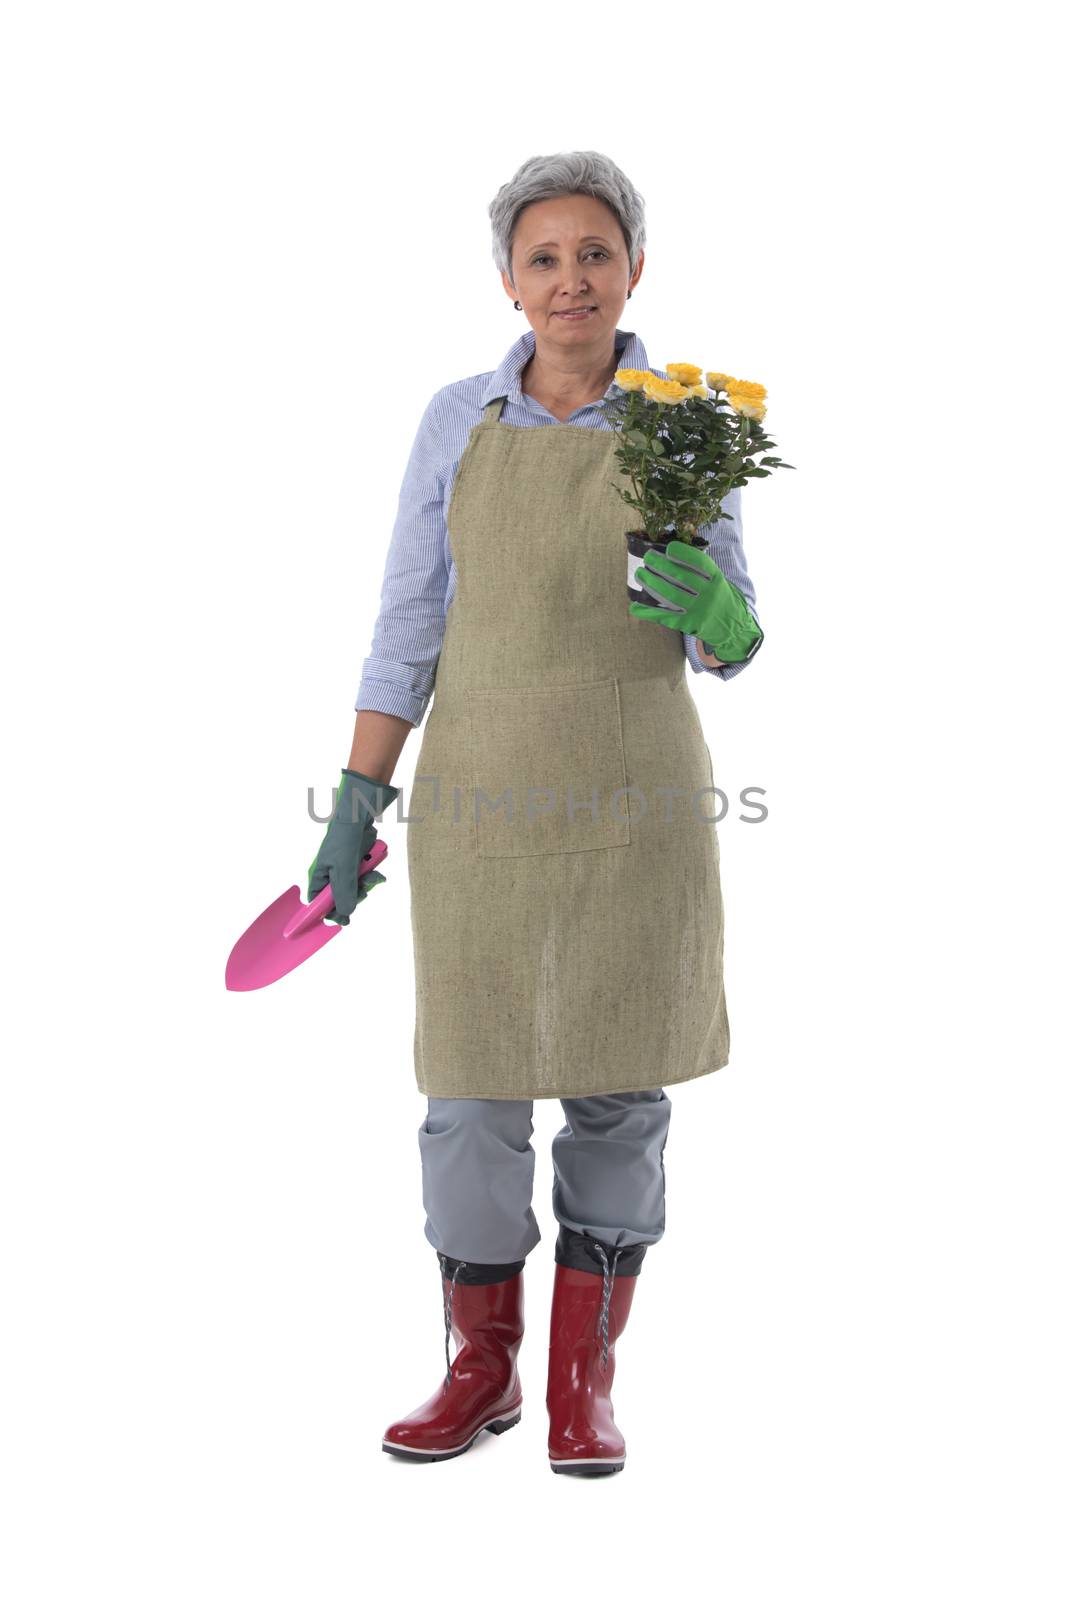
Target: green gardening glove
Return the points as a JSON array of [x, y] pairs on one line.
[[350, 833], [711, 607]]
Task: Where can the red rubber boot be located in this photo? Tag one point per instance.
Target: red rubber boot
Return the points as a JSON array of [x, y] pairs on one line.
[[590, 1308], [481, 1388]]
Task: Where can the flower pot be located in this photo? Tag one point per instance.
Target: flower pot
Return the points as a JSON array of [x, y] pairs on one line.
[[637, 547]]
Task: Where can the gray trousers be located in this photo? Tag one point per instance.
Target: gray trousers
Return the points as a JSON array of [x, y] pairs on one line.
[[478, 1173]]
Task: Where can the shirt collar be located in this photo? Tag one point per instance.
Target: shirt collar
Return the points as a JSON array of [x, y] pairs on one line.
[[507, 379]]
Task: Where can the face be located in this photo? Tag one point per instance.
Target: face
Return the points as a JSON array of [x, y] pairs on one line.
[[568, 252]]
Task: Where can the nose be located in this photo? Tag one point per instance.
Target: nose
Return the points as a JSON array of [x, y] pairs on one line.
[[575, 282]]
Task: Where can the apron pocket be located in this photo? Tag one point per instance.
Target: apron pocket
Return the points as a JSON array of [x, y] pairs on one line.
[[548, 769]]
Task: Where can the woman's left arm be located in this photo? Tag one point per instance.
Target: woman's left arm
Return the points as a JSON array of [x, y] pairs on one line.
[[726, 548]]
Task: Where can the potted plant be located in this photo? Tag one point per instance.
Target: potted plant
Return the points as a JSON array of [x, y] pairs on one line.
[[684, 446]]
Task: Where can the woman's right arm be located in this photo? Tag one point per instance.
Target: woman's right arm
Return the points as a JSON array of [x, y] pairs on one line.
[[376, 744], [398, 674]]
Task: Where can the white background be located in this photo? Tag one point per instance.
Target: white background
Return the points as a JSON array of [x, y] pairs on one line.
[[244, 245]]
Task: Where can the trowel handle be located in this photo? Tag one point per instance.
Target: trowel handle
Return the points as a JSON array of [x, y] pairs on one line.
[[322, 904]]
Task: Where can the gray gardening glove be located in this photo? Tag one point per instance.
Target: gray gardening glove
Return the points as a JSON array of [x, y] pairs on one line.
[[350, 833]]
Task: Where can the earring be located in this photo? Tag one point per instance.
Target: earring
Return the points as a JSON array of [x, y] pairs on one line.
[[629, 292]]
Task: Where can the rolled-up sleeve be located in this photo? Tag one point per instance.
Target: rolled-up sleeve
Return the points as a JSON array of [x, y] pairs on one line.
[[726, 549], [398, 674]]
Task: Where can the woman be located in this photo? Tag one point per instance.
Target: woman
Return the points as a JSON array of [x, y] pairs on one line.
[[563, 948]]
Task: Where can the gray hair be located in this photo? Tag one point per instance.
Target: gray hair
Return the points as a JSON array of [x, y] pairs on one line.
[[569, 172]]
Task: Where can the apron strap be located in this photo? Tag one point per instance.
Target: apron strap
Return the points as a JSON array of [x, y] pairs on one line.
[[494, 408]]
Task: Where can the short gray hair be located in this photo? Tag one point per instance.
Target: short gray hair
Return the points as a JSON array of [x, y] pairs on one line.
[[569, 172]]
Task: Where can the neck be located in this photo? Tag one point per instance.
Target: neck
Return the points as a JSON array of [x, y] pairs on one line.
[[565, 377]]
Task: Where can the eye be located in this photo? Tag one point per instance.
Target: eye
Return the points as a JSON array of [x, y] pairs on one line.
[[596, 251]]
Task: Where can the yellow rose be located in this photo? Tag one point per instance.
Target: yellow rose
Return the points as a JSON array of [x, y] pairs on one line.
[[665, 390], [751, 391], [697, 391], [683, 372], [746, 405], [719, 380], [631, 378]]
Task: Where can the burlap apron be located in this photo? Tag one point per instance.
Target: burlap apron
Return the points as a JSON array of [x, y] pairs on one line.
[[562, 950]]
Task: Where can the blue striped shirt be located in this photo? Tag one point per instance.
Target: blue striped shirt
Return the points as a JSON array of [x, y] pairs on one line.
[[420, 575]]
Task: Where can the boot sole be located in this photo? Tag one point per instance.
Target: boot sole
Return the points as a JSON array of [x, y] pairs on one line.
[[590, 1468], [413, 1453]]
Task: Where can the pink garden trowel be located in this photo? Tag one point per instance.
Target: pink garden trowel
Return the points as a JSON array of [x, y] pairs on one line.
[[287, 933]]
